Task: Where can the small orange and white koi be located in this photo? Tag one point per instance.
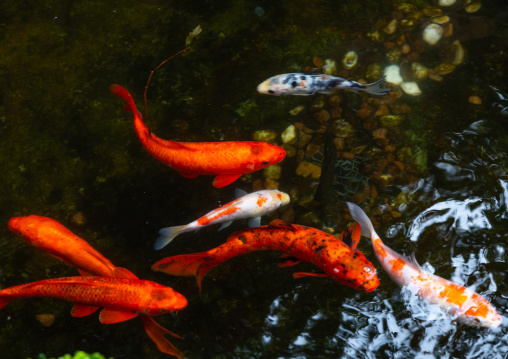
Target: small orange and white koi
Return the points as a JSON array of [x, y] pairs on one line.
[[247, 205], [469, 307]]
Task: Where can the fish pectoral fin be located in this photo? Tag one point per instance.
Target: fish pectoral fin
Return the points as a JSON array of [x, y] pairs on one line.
[[223, 180], [240, 193], [111, 316], [224, 225], [351, 235], [326, 92], [84, 273], [188, 175], [124, 273], [305, 274], [285, 260], [255, 222], [82, 310]]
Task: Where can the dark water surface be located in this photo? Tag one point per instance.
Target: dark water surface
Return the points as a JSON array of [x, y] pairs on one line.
[[66, 147]]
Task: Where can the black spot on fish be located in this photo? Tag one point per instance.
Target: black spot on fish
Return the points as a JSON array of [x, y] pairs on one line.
[[287, 79], [319, 249], [334, 83], [302, 77], [294, 84], [264, 163], [271, 92], [242, 239]]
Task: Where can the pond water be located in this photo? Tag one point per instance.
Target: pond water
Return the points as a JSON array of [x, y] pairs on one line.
[[431, 169]]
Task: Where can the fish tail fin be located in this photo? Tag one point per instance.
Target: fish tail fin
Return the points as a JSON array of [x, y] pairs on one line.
[[124, 95], [156, 332], [196, 264], [4, 302], [167, 235], [361, 217], [375, 87]]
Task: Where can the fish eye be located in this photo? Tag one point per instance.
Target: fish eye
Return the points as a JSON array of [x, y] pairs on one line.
[[271, 92], [367, 269], [264, 163]]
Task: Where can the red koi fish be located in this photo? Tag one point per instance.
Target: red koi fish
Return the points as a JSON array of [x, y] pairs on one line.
[[469, 307], [339, 261], [122, 298], [228, 160], [55, 239]]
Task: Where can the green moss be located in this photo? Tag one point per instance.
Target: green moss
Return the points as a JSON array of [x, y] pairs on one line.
[[77, 355]]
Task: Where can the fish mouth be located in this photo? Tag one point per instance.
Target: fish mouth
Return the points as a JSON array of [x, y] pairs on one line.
[[14, 224]]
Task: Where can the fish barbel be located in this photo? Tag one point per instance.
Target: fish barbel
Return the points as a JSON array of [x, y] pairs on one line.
[[469, 307], [339, 261]]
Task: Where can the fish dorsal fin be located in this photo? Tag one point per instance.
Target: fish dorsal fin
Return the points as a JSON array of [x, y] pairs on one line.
[[84, 273], [351, 235], [279, 223], [240, 193], [111, 316], [411, 259], [82, 310], [124, 273], [223, 180]]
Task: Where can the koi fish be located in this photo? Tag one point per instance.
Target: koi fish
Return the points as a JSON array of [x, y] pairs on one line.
[[339, 261], [252, 205], [309, 84], [228, 160], [121, 297], [469, 307], [53, 238]]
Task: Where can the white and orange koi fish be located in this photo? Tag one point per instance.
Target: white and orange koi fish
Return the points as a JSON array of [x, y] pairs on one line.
[[469, 307], [309, 84], [252, 205]]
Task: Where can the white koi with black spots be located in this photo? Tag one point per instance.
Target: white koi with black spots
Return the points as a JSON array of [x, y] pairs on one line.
[[247, 205], [309, 84]]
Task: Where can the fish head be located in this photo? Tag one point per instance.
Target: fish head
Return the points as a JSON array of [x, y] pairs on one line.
[[162, 300], [355, 271], [263, 155], [274, 87], [26, 226], [481, 314]]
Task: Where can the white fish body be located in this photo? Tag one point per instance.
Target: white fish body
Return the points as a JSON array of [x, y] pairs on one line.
[[469, 307], [309, 84], [252, 205]]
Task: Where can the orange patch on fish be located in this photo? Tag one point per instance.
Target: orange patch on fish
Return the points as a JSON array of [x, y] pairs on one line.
[[480, 311], [229, 211], [261, 201], [397, 265], [454, 293]]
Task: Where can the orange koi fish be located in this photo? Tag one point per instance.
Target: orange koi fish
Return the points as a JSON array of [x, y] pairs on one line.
[[121, 297], [228, 160], [55, 239], [247, 205], [339, 261], [469, 307]]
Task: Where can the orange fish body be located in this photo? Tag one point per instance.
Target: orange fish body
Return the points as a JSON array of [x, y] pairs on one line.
[[339, 261], [469, 307], [55, 239], [228, 160], [121, 298]]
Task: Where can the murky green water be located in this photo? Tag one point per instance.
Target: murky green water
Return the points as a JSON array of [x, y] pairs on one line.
[[66, 146]]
